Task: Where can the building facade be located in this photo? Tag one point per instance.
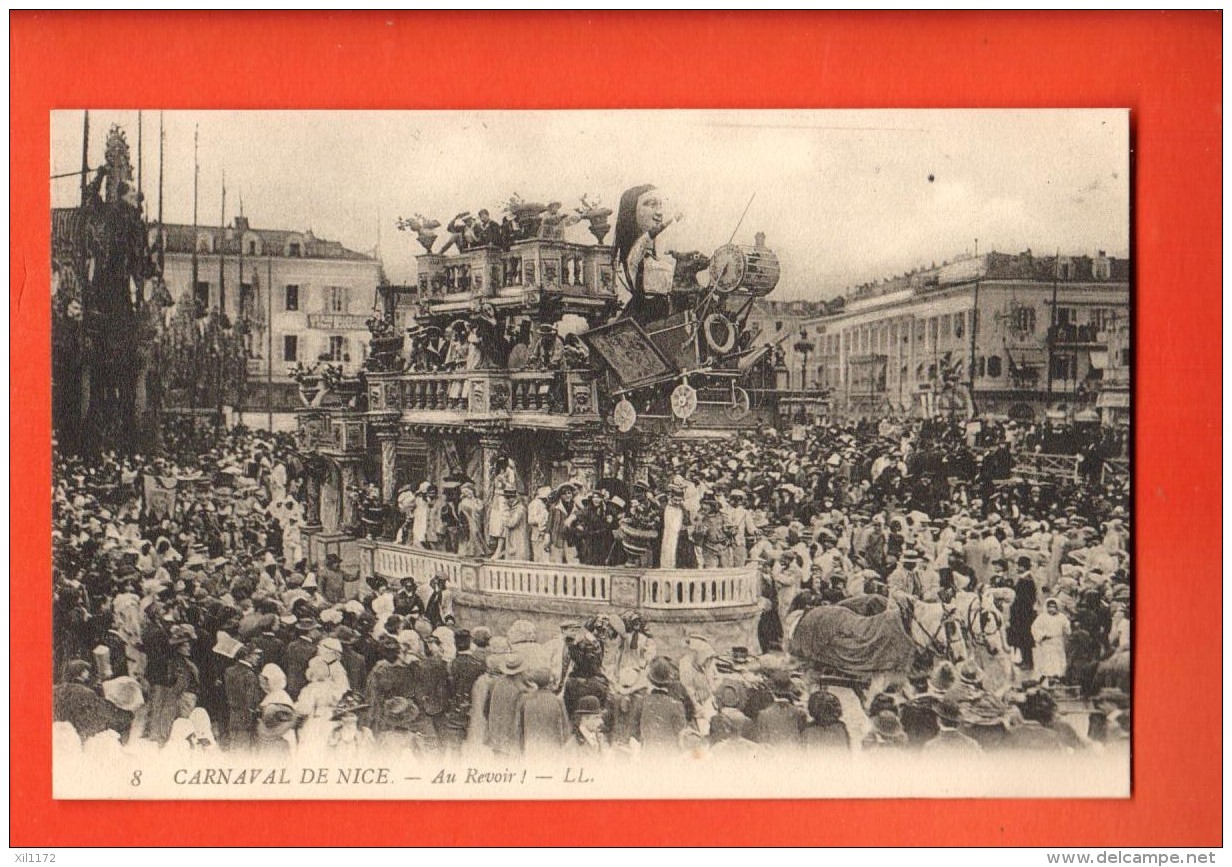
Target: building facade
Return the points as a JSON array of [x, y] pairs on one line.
[[1022, 336], [300, 298]]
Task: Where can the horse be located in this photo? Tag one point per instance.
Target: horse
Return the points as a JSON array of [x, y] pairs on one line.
[[897, 638]]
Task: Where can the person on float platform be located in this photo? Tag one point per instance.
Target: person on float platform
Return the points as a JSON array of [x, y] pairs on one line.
[[640, 273]]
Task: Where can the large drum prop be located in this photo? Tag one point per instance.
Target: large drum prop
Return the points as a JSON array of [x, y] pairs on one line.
[[752, 269]]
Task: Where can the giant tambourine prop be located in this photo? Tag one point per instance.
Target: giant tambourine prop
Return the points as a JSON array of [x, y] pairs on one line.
[[625, 416], [684, 401], [752, 269]]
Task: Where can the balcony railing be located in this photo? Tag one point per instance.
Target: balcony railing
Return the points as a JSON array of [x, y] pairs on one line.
[[1076, 335], [459, 396], [660, 589]]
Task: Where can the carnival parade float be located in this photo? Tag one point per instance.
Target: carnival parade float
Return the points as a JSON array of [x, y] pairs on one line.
[[522, 365]]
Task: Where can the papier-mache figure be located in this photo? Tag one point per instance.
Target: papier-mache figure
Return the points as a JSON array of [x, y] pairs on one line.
[[639, 271]]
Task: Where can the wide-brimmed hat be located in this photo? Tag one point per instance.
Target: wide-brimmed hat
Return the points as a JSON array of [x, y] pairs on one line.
[[887, 724], [225, 645], [662, 672], [943, 677], [970, 674], [182, 633], [948, 711], [124, 692], [400, 711], [306, 624], [986, 710], [512, 663], [351, 702], [276, 720]]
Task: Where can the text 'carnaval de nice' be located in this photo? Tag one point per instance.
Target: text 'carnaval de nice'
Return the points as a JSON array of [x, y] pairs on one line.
[[257, 776]]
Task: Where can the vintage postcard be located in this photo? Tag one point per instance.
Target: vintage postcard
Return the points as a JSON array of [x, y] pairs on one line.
[[571, 454]]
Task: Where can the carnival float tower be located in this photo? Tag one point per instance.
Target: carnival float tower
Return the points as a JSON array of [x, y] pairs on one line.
[[526, 361]]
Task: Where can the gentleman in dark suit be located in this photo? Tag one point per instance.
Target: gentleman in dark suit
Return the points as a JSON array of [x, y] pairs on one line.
[[243, 689], [486, 230], [117, 651], [430, 677], [333, 582], [298, 654], [353, 663], [389, 678], [272, 645], [782, 723]]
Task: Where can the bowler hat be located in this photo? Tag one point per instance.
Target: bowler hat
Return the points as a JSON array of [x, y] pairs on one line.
[[588, 705]]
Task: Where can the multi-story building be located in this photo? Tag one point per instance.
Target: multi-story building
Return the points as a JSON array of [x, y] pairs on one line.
[[301, 298], [1022, 335]]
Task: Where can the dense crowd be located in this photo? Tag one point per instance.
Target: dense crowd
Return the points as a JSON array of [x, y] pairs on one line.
[[188, 618]]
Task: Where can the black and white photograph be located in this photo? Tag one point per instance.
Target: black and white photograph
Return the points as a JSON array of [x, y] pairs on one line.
[[591, 454]]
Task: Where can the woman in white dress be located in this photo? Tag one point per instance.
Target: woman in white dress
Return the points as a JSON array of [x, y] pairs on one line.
[[315, 706], [1050, 630]]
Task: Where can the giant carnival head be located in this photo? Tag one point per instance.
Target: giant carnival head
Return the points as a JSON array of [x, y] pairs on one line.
[[640, 213]]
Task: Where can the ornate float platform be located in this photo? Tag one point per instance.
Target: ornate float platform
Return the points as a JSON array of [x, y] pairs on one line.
[[722, 604]]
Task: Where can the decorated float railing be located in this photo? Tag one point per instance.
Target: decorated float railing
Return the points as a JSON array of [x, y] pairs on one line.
[[545, 581], [699, 588], [459, 396], [664, 589]]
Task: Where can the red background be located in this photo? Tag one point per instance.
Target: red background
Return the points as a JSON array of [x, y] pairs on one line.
[[1164, 66]]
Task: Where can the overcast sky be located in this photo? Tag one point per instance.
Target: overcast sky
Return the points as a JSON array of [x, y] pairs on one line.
[[843, 196]]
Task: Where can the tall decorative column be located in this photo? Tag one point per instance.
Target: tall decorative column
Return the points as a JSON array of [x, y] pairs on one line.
[[387, 437], [314, 474], [586, 448], [352, 479], [493, 445]]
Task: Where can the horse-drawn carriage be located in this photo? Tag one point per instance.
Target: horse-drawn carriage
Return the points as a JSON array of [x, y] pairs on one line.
[[686, 345]]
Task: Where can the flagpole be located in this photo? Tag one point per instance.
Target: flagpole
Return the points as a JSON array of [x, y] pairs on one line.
[[140, 161], [195, 258], [222, 295], [85, 156], [222, 245], [196, 275], [269, 340]]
